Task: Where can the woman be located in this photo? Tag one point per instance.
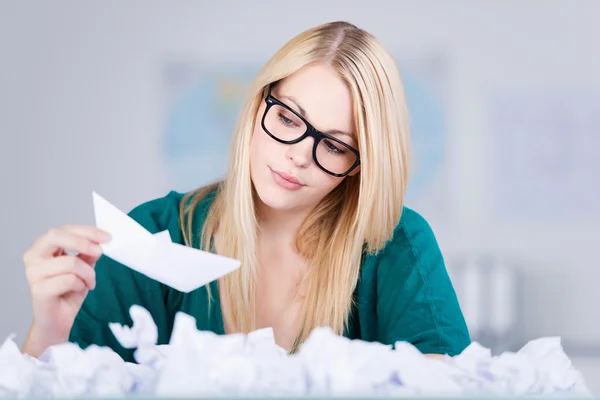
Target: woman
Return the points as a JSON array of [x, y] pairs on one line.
[[312, 206]]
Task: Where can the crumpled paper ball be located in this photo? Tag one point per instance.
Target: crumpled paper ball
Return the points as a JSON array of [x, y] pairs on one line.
[[200, 363]]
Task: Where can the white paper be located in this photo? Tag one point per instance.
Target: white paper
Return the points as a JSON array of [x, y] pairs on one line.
[[156, 256], [200, 363]]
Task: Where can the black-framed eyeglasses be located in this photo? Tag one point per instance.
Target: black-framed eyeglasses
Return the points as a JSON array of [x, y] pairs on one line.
[[286, 126]]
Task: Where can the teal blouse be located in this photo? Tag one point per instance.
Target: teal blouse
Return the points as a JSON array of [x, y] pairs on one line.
[[404, 292]]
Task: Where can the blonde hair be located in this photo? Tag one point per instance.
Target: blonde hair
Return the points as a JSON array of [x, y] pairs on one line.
[[357, 217]]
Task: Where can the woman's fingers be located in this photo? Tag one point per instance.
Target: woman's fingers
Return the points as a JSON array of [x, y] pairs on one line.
[[59, 285], [81, 239], [65, 265]]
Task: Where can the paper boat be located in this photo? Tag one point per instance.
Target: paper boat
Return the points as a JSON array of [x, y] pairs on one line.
[[155, 255]]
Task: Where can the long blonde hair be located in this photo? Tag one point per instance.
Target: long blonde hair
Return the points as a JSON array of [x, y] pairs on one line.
[[357, 217]]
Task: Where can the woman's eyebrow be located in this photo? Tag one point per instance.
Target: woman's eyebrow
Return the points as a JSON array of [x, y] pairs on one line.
[[303, 113], [338, 132], [293, 100]]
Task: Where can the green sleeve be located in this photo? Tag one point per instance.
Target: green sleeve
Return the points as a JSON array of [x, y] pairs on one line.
[[119, 287], [417, 302]]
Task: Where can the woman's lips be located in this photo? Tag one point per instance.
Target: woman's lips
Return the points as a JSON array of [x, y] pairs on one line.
[[286, 181]]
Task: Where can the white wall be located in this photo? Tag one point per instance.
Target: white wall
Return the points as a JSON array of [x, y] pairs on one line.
[[80, 95]]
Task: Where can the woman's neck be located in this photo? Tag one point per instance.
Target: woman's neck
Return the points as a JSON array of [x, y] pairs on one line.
[[280, 228]]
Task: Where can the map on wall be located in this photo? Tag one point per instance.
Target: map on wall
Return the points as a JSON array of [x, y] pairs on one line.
[[202, 106]]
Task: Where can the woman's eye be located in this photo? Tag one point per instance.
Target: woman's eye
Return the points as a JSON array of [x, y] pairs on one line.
[[332, 148], [285, 120]]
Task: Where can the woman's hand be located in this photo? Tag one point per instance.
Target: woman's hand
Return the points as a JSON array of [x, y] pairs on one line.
[[59, 282]]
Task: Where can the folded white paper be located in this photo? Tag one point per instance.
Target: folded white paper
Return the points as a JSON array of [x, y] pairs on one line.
[[200, 363], [155, 255]]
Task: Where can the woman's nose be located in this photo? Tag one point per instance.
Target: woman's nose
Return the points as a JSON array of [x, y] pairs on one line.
[[301, 153]]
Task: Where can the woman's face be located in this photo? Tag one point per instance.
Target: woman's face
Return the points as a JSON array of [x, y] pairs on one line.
[[286, 176]]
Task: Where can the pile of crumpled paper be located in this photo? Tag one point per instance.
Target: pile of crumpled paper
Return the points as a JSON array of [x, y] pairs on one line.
[[198, 363]]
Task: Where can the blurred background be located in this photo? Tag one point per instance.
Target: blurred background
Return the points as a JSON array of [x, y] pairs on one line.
[[133, 99]]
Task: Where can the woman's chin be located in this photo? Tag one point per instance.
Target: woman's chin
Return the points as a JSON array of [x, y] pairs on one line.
[[273, 200], [277, 198]]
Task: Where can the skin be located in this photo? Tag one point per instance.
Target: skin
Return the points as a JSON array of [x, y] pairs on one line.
[[283, 210], [59, 283]]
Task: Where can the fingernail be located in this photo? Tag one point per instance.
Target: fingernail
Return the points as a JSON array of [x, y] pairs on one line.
[[96, 250], [105, 236]]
